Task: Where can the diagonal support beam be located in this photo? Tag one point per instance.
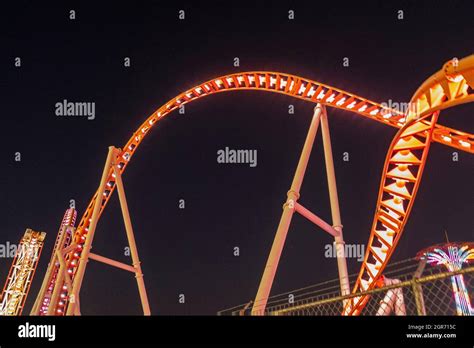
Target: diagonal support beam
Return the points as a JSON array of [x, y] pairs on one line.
[[62, 276], [131, 241], [316, 220], [81, 269], [266, 282], [110, 164], [291, 205], [110, 262]]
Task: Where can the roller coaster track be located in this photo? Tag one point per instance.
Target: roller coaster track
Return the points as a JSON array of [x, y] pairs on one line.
[[63, 240], [404, 165], [21, 273]]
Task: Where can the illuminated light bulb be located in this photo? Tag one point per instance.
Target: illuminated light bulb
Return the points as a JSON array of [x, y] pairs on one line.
[[229, 80], [302, 88], [207, 87], [331, 98], [446, 138], [261, 80], [272, 81], [311, 92], [405, 152], [401, 183], [198, 90], [351, 105], [63, 296], [291, 85], [464, 143], [403, 119], [340, 102], [59, 311], [251, 78], [362, 108], [151, 121], [113, 175], [320, 95], [397, 200], [402, 167], [374, 112], [240, 79], [218, 82], [386, 116]]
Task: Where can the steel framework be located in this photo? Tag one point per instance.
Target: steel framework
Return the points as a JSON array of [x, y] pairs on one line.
[[292, 205], [451, 86], [21, 273], [63, 240]]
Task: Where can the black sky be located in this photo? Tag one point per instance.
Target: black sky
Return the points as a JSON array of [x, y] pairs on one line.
[[190, 251]]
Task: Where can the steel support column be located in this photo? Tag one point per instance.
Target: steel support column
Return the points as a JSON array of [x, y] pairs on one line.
[[334, 200], [81, 269], [131, 241], [110, 164]]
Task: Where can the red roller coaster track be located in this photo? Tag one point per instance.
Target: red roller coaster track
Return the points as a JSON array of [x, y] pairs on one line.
[[402, 172]]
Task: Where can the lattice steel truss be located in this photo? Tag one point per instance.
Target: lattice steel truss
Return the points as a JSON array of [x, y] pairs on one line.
[[21, 273], [63, 240]]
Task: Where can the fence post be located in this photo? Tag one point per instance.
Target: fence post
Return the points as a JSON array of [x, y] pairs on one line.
[[417, 289]]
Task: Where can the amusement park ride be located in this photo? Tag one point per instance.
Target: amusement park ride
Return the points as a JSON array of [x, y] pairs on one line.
[[21, 273], [453, 256], [453, 85]]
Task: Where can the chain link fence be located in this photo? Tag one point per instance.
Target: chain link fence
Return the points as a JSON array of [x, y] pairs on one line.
[[411, 288]]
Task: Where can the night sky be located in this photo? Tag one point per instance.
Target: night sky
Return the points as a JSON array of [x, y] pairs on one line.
[[190, 251]]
